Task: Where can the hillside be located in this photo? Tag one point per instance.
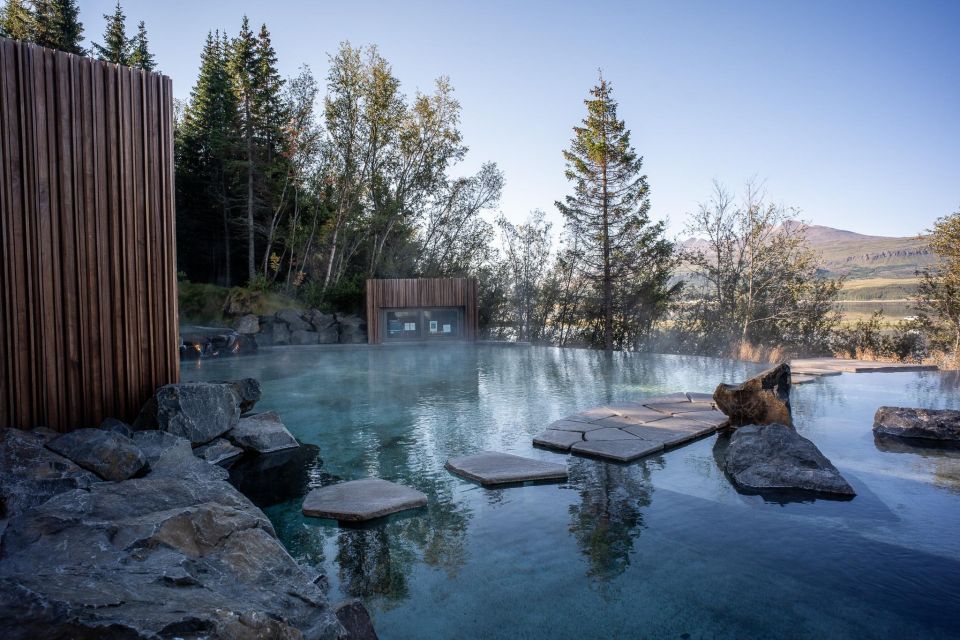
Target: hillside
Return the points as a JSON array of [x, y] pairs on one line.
[[880, 270]]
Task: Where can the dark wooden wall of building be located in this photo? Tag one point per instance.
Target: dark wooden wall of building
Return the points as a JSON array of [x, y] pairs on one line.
[[88, 291], [422, 292]]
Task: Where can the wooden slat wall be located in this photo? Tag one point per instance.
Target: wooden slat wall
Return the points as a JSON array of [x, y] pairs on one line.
[[421, 292], [88, 298]]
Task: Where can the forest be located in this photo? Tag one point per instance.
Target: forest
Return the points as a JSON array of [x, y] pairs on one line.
[[306, 186]]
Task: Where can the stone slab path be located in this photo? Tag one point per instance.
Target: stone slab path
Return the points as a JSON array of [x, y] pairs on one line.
[[360, 500], [628, 431], [492, 468], [836, 366]]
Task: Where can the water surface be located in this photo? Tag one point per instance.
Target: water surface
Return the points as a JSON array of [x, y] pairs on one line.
[[661, 548]]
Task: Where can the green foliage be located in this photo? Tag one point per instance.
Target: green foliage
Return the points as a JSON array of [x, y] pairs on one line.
[[623, 256], [868, 339], [17, 21], [57, 25], [938, 294], [140, 56], [116, 47]]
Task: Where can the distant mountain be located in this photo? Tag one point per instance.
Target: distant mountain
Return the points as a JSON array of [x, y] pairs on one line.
[[858, 256]]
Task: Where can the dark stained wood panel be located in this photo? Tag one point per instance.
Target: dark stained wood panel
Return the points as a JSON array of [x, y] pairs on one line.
[[88, 304], [421, 292]]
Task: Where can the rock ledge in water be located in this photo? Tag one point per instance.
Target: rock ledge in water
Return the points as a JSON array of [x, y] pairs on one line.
[[776, 457], [930, 424]]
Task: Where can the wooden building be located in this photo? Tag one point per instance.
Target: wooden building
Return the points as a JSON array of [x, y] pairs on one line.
[[88, 289], [422, 309]]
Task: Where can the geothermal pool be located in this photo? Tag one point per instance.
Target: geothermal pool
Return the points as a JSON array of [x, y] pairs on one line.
[[661, 548]]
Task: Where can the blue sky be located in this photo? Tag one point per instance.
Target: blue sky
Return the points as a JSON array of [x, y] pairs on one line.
[[848, 110]]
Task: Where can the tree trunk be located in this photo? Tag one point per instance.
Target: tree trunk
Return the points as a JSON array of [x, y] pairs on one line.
[[251, 249], [226, 243], [607, 279]]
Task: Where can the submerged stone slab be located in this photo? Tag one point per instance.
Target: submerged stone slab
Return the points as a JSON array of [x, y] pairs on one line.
[[592, 415], [556, 439], [360, 500], [693, 396], [666, 437], [618, 450], [491, 467], [681, 407], [632, 414], [679, 396], [711, 417], [799, 378]]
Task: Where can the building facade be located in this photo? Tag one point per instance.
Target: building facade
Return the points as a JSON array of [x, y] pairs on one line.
[[421, 310]]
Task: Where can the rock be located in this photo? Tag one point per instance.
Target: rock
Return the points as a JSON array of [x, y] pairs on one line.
[[329, 335], [117, 426], [217, 451], [930, 424], [764, 399], [353, 329], [46, 433], [304, 337], [355, 619], [155, 557], [775, 456], [493, 467], [293, 320], [273, 478], [108, 454], [249, 392], [240, 302], [320, 320], [30, 474], [263, 433], [361, 500], [197, 411], [279, 334], [170, 455], [248, 324]]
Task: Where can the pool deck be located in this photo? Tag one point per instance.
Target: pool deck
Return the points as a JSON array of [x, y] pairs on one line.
[[836, 366], [628, 431]]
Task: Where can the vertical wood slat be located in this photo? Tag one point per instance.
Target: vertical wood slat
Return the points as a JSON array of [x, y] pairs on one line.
[[421, 292], [88, 301]]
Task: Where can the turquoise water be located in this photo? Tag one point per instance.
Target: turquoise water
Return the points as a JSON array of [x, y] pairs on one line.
[[661, 548]]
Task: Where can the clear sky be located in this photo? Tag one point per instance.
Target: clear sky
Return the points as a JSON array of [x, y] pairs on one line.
[[848, 110]]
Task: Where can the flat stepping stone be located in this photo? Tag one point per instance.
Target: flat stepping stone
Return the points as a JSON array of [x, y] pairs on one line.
[[633, 411], [556, 439], [608, 434], [666, 437], [699, 397], [492, 468], [681, 407], [572, 425], [711, 417], [618, 450], [684, 423], [591, 415], [801, 379], [679, 396], [360, 500]]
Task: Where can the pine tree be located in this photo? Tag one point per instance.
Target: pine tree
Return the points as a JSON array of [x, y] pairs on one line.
[[608, 213], [206, 147], [140, 56], [17, 21], [58, 25], [116, 47], [244, 71]]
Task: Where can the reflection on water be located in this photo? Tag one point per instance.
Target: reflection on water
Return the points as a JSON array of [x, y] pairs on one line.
[[659, 548]]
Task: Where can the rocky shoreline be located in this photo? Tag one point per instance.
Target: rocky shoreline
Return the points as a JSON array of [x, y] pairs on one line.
[[133, 531]]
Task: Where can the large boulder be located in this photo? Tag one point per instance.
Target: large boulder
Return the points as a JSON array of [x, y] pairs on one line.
[[248, 390], [776, 457], [248, 324], [353, 329], [170, 455], [320, 320], [155, 557], [31, 474], [218, 451], [197, 411], [263, 433], [279, 334], [117, 426], [293, 320], [763, 399], [929, 424], [110, 455], [304, 337]]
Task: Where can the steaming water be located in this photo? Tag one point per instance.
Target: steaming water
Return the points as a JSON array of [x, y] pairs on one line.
[[662, 548]]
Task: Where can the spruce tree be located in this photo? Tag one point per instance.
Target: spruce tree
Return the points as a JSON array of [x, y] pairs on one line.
[[16, 21], [206, 148], [140, 56], [57, 25], [244, 71], [116, 47], [608, 213]]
